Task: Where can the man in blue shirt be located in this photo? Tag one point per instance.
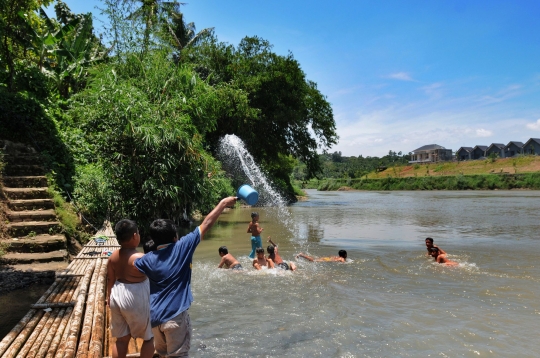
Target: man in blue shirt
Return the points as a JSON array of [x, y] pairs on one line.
[[168, 268]]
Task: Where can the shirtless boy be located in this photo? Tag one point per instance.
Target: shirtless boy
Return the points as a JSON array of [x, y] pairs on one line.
[[228, 260], [261, 261], [430, 244], [342, 257], [276, 258], [255, 230], [441, 258], [128, 293]]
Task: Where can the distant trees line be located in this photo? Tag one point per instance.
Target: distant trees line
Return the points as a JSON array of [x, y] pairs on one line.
[[335, 165]]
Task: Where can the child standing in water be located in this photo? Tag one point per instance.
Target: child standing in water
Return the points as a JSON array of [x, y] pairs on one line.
[[255, 230]]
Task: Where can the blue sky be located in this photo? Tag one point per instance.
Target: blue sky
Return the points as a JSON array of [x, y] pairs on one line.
[[401, 73]]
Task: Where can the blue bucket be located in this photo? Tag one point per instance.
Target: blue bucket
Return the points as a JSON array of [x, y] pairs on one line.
[[248, 194]]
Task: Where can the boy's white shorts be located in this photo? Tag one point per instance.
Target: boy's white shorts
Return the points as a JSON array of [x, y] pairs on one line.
[[130, 310]]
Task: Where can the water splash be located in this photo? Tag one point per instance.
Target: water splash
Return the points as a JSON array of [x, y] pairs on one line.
[[240, 164]]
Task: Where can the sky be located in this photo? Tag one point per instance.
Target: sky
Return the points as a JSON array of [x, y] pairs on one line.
[[400, 74]]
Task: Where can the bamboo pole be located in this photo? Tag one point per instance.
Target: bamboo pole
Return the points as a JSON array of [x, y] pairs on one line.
[[33, 343], [21, 338], [58, 343], [84, 340], [78, 311], [10, 337], [95, 349], [46, 344]]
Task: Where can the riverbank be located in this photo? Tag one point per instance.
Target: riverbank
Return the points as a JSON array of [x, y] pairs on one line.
[[455, 182]]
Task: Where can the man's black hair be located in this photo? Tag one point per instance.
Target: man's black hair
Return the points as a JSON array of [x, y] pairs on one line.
[[342, 253], [149, 246], [124, 230], [429, 239], [223, 250], [163, 231], [270, 249], [259, 250]]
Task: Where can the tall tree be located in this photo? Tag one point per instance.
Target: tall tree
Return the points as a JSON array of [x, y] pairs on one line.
[[293, 117]]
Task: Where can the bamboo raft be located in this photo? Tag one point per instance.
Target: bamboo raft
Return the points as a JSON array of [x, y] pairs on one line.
[[71, 319]]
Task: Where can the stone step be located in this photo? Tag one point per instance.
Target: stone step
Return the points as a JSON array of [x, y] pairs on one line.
[[30, 229], [23, 159], [25, 182], [27, 193], [58, 266], [13, 148], [23, 170], [33, 204], [16, 258], [38, 243], [31, 215]]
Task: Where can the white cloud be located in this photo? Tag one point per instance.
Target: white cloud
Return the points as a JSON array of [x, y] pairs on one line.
[[402, 76], [534, 126], [483, 133]]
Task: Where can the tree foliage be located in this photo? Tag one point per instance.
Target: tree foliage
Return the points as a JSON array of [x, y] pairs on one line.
[[291, 116]]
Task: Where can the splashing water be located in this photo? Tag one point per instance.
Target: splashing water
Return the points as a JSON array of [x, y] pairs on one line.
[[238, 162]]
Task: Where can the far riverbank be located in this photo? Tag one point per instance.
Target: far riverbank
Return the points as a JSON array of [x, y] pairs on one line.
[[502, 181]]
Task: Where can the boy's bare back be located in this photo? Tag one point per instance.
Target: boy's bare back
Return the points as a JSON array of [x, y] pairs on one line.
[[228, 260], [121, 266]]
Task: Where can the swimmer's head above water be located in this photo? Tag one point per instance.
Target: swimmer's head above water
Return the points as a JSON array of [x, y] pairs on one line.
[[343, 253]]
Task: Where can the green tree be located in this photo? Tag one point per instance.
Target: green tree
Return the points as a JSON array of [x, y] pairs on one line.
[[292, 117]]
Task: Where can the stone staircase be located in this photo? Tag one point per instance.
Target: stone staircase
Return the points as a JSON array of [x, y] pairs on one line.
[[35, 232]]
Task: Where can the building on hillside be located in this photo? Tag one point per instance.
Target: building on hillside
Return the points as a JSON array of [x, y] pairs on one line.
[[532, 146], [479, 152], [430, 153], [513, 148], [496, 148], [464, 153]]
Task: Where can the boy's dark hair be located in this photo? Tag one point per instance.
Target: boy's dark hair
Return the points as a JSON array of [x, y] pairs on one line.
[[259, 250], [163, 231], [124, 230], [342, 253], [434, 249], [223, 250], [270, 249], [429, 239], [149, 246], [254, 214]]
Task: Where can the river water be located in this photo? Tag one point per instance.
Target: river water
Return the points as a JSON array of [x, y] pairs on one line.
[[389, 299]]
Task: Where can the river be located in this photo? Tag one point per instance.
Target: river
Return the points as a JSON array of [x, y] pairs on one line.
[[389, 299]]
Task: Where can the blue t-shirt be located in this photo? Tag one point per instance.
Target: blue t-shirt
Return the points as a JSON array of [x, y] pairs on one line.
[[169, 272]]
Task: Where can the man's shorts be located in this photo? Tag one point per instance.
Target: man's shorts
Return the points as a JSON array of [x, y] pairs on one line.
[[130, 310], [283, 266], [173, 338]]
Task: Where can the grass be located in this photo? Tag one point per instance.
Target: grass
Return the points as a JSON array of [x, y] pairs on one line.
[[455, 182], [67, 216], [523, 164]]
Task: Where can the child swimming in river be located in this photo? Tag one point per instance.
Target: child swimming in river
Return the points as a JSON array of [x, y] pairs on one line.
[[261, 260], [342, 257], [255, 230], [228, 260], [278, 261], [441, 258]]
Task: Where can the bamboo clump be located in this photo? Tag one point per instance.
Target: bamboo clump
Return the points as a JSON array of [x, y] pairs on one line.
[[69, 318]]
